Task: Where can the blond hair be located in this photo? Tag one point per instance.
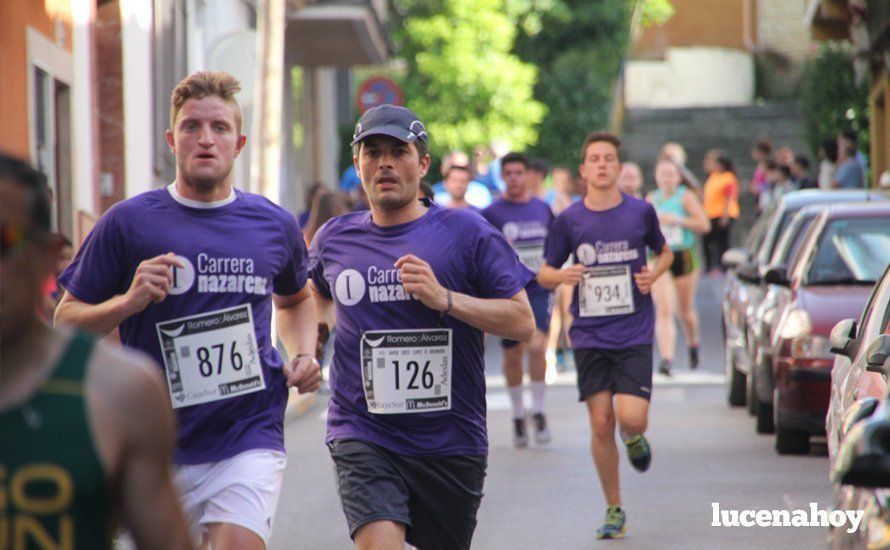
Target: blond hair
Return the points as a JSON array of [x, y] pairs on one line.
[[202, 84]]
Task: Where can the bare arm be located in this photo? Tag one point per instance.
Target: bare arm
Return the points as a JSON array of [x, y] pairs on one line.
[[646, 277], [549, 277], [509, 318], [505, 317], [697, 220], [135, 437], [297, 327], [150, 284]]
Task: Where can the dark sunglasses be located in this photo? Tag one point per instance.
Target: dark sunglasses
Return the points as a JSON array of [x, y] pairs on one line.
[[13, 237]]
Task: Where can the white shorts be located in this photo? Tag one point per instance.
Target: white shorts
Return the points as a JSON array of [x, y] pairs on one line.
[[242, 490]]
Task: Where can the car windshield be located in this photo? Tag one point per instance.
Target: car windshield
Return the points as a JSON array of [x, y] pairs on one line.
[[771, 239], [851, 251], [792, 240], [755, 236]]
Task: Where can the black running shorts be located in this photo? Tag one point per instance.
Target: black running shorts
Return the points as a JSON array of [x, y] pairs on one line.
[[436, 498], [627, 370], [685, 262]]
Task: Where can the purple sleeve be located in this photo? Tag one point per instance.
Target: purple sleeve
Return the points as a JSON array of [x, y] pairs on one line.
[[499, 272], [557, 247], [292, 277], [654, 238], [316, 268], [99, 271]]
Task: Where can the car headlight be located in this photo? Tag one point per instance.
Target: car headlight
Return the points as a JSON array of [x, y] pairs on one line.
[[796, 323], [810, 347]]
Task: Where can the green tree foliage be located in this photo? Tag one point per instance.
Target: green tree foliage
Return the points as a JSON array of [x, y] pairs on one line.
[[578, 46], [461, 77], [832, 102]]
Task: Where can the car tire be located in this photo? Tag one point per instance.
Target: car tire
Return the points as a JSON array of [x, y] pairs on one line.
[[750, 392], [735, 381], [763, 417], [789, 442]]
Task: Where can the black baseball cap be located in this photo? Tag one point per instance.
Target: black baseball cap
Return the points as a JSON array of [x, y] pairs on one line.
[[390, 120]]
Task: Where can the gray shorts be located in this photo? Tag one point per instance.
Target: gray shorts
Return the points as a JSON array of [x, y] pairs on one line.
[[436, 498]]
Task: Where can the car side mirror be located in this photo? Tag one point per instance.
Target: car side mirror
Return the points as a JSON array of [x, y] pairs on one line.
[[748, 272], [864, 457], [859, 410], [776, 274], [877, 353], [734, 257], [842, 336]]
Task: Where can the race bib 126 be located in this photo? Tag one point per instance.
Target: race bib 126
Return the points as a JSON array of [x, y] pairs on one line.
[[406, 371]]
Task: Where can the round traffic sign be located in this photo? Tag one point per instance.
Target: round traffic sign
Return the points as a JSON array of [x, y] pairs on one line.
[[378, 90]]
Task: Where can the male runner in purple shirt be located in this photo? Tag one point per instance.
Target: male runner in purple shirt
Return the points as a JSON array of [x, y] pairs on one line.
[[189, 274], [609, 234], [414, 286], [525, 220]]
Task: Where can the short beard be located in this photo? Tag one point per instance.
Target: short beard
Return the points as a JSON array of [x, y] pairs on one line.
[[394, 203]]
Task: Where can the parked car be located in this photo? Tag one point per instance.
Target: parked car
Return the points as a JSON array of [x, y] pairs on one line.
[[743, 286], [844, 253], [852, 340], [759, 395], [860, 461]]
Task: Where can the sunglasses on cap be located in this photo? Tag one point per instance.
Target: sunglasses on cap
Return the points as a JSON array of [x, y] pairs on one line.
[[12, 237]]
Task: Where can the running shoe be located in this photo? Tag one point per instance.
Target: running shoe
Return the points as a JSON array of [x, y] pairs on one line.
[[693, 357], [665, 367], [613, 528], [520, 433], [542, 432], [638, 452]]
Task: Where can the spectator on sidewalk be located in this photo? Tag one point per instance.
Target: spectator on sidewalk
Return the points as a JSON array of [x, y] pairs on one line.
[[761, 152], [721, 204], [849, 174], [784, 156], [800, 173], [780, 180], [849, 137], [326, 205], [827, 163]]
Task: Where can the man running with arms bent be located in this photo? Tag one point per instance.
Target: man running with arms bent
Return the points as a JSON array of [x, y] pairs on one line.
[[190, 273], [609, 232], [414, 286]]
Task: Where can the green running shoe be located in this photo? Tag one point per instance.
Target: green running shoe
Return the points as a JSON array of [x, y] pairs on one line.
[[638, 452], [613, 528]]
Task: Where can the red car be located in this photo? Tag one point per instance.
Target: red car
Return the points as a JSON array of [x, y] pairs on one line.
[[844, 252]]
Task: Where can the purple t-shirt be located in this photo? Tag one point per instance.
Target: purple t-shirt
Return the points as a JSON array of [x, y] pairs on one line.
[[351, 261], [525, 225], [610, 238], [236, 256]]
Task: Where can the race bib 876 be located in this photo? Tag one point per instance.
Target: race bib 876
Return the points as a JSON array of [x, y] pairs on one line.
[[211, 356]]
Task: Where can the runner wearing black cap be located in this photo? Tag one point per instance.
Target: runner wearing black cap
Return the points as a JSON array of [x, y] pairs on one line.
[[415, 286]]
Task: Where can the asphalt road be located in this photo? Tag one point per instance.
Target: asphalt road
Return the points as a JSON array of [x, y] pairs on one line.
[[549, 497]]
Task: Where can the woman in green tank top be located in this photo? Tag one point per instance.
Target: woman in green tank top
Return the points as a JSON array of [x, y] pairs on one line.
[[681, 216]]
